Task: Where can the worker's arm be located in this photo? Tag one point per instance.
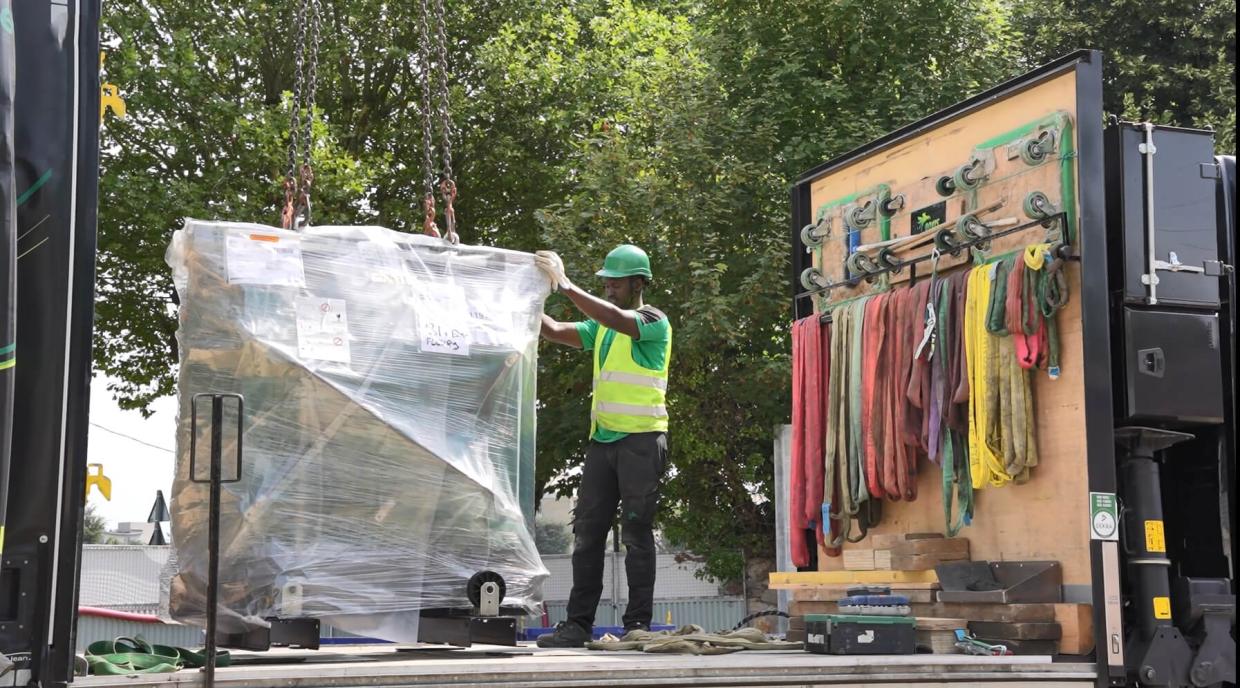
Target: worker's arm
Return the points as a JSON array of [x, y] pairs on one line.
[[560, 332], [600, 311], [603, 312]]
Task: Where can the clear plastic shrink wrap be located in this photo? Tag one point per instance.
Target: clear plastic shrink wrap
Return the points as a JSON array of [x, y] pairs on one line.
[[389, 383]]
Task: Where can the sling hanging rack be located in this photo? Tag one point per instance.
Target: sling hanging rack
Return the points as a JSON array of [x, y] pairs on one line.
[[898, 265]]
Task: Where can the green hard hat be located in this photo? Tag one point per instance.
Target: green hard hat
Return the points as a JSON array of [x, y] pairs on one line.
[[626, 260]]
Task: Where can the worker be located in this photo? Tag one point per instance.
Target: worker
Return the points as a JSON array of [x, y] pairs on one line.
[[627, 453]]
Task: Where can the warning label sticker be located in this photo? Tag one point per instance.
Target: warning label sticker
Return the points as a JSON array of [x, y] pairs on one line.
[[1162, 607], [1103, 516], [322, 329], [1155, 540]]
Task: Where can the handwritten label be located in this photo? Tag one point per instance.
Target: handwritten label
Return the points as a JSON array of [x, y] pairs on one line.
[[444, 322], [322, 329], [264, 259]]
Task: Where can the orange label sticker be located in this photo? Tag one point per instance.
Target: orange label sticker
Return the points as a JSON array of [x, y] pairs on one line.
[[264, 237]]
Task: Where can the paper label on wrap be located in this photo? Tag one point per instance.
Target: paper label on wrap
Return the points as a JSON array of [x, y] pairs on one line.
[[264, 259], [444, 321], [322, 329]]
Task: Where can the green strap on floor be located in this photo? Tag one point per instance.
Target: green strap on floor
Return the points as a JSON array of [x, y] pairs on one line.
[[125, 656]]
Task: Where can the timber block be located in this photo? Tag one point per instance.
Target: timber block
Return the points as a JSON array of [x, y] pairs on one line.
[[1034, 630], [924, 562], [886, 540], [1077, 624], [937, 546], [882, 560], [858, 560], [936, 623], [833, 594], [1008, 613], [939, 642]]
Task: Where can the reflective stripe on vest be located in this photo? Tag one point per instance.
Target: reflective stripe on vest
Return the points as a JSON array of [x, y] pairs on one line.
[[627, 397], [629, 409], [631, 379]]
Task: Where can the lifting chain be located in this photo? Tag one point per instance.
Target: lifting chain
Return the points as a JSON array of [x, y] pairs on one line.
[[299, 176], [439, 83]]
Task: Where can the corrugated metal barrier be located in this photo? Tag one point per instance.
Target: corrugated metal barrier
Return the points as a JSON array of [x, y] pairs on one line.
[[93, 628]]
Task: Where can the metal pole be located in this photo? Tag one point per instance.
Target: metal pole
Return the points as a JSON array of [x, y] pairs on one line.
[[213, 536]]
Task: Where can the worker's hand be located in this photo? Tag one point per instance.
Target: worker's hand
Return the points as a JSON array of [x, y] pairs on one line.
[[553, 267]]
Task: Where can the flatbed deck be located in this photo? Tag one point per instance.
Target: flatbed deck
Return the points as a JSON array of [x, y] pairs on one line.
[[531, 667]]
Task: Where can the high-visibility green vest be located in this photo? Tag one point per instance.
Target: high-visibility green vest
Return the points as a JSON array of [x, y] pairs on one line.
[[627, 396]]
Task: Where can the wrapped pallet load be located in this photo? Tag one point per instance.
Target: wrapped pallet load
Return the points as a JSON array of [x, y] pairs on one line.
[[388, 433]]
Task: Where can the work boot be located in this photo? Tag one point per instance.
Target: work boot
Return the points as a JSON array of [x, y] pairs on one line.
[[566, 634], [636, 626]]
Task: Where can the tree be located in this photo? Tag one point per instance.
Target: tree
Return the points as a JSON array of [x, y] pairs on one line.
[[674, 124], [552, 538], [94, 527], [1163, 61]]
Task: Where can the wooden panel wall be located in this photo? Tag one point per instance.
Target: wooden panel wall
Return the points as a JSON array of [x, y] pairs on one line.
[[1047, 518]]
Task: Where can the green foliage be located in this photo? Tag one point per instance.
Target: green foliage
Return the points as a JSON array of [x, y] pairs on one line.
[[1164, 61], [552, 538], [677, 125], [94, 527]]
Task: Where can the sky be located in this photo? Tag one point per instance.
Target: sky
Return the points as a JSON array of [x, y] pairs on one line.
[[122, 441]]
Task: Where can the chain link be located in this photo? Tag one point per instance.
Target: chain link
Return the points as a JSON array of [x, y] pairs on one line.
[[299, 52], [428, 165], [445, 118], [299, 177]]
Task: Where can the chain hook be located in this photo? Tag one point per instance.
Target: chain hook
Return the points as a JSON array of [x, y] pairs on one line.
[[289, 210], [447, 188], [428, 223]]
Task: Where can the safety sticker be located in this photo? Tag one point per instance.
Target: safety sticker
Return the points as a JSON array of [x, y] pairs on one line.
[[264, 259], [1162, 607], [1103, 516], [1155, 540], [322, 329]]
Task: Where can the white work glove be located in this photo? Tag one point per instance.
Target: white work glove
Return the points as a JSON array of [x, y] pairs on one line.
[[553, 267]]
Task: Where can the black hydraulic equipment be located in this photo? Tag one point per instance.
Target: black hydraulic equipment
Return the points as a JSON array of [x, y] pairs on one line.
[[1170, 209]]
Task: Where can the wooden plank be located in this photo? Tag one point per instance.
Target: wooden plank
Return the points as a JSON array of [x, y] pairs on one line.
[[914, 595], [939, 642], [936, 623], [886, 540], [882, 560], [924, 562], [1077, 622], [858, 560], [1012, 613], [1016, 631], [942, 545], [782, 580]]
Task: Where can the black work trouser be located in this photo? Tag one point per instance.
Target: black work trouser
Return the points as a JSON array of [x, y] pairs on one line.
[[626, 472]]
